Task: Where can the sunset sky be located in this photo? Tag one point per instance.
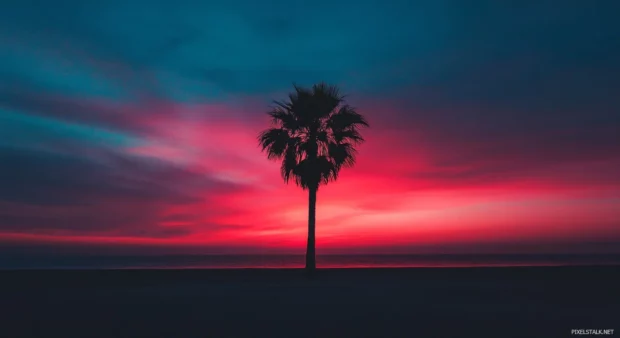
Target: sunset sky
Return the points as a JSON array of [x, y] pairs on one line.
[[127, 125]]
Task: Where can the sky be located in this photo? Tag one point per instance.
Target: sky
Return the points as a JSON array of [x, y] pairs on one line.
[[132, 127]]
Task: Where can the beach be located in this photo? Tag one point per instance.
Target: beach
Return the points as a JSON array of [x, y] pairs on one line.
[[388, 302]]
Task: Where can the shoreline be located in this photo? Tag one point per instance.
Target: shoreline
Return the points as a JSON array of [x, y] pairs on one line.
[[46, 278]]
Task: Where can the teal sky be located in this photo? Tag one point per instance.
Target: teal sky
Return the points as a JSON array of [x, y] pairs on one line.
[[133, 123]]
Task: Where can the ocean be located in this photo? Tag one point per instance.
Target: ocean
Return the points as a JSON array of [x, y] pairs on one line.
[[295, 261]]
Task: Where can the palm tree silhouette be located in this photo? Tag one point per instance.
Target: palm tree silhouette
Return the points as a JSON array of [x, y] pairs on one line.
[[314, 133]]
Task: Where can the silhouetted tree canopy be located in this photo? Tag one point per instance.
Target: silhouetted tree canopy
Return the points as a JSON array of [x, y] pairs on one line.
[[314, 133]]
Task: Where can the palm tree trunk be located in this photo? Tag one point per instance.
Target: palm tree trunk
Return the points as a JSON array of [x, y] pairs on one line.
[[310, 250]]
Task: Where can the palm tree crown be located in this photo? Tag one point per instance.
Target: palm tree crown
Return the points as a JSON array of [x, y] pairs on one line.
[[314, 133]]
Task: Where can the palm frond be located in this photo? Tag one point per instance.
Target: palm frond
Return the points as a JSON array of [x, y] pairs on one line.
[[326, 169], [301, 105], [289, 163], [342, 154], [304, 174], [286, 106], [351, 135], [345, 118], [274, 141], [284, 118], [327, 98]]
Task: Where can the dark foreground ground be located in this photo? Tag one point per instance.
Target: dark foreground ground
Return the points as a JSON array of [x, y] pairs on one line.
[[459, 302]]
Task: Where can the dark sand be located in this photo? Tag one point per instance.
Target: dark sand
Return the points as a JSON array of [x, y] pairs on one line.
[[423, 302]]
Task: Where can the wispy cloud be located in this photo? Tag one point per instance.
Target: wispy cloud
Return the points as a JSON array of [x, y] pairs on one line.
[[491, 124]]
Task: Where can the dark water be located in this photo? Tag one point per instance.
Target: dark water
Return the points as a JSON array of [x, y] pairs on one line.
[[295, 261]]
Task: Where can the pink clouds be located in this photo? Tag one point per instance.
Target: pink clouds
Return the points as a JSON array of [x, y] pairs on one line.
[[408, 188]]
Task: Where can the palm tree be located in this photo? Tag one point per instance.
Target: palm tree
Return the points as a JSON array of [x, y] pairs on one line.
[[313, 133]]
